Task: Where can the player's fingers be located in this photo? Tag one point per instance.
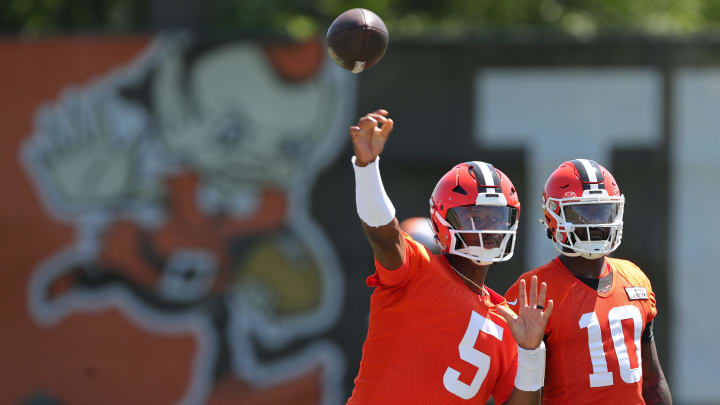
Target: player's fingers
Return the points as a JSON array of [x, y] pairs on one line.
[[522, 294], [387, 128], [367, 123], [548, 310], [381, 111], [543, 292], [379, 118], [533, 292], [506, 313], [354, 130]]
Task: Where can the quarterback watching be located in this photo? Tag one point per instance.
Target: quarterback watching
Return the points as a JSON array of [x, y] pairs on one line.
[[437, 334], [600, 346]]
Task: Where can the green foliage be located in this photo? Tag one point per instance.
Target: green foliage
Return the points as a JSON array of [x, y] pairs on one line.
[[457, 18], [34, 17], [405, 18]]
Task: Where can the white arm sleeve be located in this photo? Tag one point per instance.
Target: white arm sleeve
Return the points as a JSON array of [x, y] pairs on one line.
[[373, 205]]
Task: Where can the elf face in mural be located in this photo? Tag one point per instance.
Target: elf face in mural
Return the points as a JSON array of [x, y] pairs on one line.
[[186, 176]]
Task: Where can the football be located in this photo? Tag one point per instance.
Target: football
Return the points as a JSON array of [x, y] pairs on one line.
[[357, 39]]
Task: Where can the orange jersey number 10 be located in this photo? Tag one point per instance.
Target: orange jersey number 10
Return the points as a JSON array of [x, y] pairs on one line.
[[469, 353], [600, 376]]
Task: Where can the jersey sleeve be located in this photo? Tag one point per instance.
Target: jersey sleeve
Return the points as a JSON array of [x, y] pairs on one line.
[[506, 383], [638, 277], [415, 257], [652, 302]]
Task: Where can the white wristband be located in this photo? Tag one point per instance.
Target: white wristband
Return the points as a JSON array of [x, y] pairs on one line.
[[530, 374], [373, 205]]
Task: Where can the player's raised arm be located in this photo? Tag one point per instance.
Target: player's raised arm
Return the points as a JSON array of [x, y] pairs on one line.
[[373, 205]]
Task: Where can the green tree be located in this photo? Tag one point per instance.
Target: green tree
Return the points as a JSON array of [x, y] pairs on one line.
[[405, 18], [35, 17]]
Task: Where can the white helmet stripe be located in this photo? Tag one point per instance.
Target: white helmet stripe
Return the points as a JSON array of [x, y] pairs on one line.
[[489, 175], [591, 173]]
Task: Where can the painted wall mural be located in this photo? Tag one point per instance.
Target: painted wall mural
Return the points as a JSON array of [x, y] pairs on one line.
[[184, 177]]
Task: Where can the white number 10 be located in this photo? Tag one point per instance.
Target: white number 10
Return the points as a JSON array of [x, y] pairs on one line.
[[469, 353], [600, 376]]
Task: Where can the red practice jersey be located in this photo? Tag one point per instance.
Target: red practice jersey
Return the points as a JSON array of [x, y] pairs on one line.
[[593, 337], [431, 340]]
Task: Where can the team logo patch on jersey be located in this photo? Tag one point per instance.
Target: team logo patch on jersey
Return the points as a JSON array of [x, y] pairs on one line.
[[636, 293]]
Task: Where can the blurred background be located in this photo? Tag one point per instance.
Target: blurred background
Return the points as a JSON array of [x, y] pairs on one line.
[[180, 228]]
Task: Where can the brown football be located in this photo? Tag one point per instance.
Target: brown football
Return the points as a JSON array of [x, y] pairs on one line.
[[357, 39]]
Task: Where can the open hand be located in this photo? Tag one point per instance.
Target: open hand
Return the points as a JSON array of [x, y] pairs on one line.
[[528, 326], [369, 136]]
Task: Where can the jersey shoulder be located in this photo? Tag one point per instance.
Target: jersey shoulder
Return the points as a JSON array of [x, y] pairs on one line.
[[635, 278], [630, 272], [551, 272], [554, 275], [417, 257], [420, 252]]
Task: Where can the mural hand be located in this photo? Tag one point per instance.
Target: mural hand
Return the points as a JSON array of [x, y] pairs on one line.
[[85, 147]]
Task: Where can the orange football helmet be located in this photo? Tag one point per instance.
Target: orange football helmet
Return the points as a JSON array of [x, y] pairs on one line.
[[474, 211], [583, 209]]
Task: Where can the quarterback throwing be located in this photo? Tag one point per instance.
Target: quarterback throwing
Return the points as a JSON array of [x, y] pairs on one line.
[[437, 334]]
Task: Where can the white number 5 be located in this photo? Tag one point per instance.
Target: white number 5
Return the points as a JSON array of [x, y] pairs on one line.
[[469, 353]]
